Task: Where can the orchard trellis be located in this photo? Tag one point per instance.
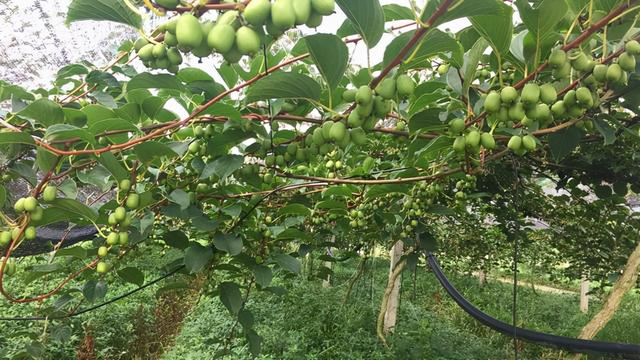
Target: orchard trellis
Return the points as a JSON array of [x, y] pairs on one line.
[[309, 147]]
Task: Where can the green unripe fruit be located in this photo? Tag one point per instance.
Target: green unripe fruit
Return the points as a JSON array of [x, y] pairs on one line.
[[542, 112], [575, 111], [323, 7], [315, 20], [614, 73], [124, 185], [5, 238], [459, 144], [30, 204], [168, 4], [318, 137], [229, 18], [133, 201], [338, 132], [580, 61], [443, 69], [349, 95], [365, 110], [247, 40], [326, 130], [570, 98], [529, 143], [515, 143], [508, 95], [487, 141], [346, 140], [358, 136], [364, 96], [627, 62], [123, 238], [112, 220], [516, 112], [103, 251], [472, 139], [201, 51], [503, 114], [171, 25], [405, 85], [270, 160], [120, 213], [194, 147], [301, 155], [233, 56], [10, 268], [583, 96], [189, 31], [354, 120], [558, 109], [280, 160], [382, 107], [170, 39], [30, 233], [257, 12], [492, 102], [146, 53], [102, 268], [456, 126], [140, 43], [632, 47], [548, 94], [282, 14], [292, 149], [330, 164], [557, 58], [530, 94], [159, 51], [15, 233], [600, 73], [562, 72], [112, 238], [37, 214], [302, 10], [174, 56], [386, 89]]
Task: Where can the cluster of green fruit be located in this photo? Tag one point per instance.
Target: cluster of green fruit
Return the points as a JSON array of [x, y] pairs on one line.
[[470, 139], [417, 203], [462, 187], [119, 220], [233, 35], [357, 216], [28, 205]]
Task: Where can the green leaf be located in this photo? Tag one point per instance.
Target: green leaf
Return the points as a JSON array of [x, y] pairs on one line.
[[150, 150], [295, 209], [284, 85], [331, 56], [94, 290], [497, 29], [16, 138], [3, 196], [393, 12], [181, 198], [426, 120], [132, 275], [288, 262], [542, 20], [45, 159], [157, 81], [255, 342], [605, 129], [434, 43], [197, 257], [103, 10], [563, 142], [176, 239], [116, 124], [462, 9], [109, 161], [228, 243], [231, 297], [75, 207], [263, 275], [223, 166], [376, 191], [66, 131], [44, 111], [367, 18], [472, 59]]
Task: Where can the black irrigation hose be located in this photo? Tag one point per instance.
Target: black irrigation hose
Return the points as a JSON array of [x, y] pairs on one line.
[[623, 351]]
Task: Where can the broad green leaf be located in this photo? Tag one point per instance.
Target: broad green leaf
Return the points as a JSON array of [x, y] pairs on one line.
[[295, 209], [176, 239], [563, 142], [462, 9], [331, 56], [94, 290], [197, 257], [155, 81], [3, 196], [228, 243], [542, 20], [16, 138], [284, 85], [109, 161], [75, 207], [44, 111], [471, 61], [434, 43], [116, 124], [223, 166], [231, 297], [288, 262], [150, 150], [45, 159], [394, 12], [605, 129], [66, 131], [497, 29], [181, 198], [189, 75], [366, 17], [263, 275], [255, 342], [132, 275], [103, 10]]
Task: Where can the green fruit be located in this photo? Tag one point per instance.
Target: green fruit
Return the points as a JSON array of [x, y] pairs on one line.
[[364, 95], [627, 62], [337, 132], [326, 129], [548, 94], [102, 267], [580, 61], [472, 139], [456, 126], [120, 213], [516, 112], [202, 51], [349, 95], [315, 20], [159, 51], [10, 268], [508, 95], [443, 69], [558, 109], [302, 10], [123, 238], [124, 185], [515, 143], [530, 94], [557, 58], [542, 113], [174, 56], [405, 85], [346, 140], [492, 102], [459, 144], [233, 56], [562, 72], [229, 18], [146, 53], [632, 47], [366, 110], [170, 39], [189, 31], [358, 136], [133, 201], [487, 141], [37, 214], [323, 7], [103, 251], [140, 43], [282, 14], [583, 96], [49, 193], [30, 233], [529, 143], [112, 238], [257, 12], [503, 114], [318, 137], [5, 238], [168, 4], [15, 233], [247, 40], [30, 204], [354, 120], [386, 89], [171, 26], [600, 73], [570, 98], [382, 107], [575, 111]]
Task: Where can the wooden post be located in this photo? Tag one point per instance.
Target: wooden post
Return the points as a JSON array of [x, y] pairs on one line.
[[391, 312], [584, 295], [328, 264]]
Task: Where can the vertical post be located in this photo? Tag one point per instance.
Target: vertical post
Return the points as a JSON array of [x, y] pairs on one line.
[[584, 295], [394, 298], [326, 283]]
